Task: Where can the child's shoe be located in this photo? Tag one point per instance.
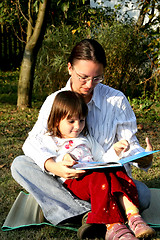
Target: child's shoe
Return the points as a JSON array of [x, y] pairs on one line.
[[139, 227], [119, 232]]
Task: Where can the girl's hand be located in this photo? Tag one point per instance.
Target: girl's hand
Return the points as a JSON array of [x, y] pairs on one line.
[[63, 168], [121, 146], [69, 160]]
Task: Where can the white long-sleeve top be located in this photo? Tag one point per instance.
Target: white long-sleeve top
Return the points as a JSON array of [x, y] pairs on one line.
[[84, 149], [110, 119], [81, 148]]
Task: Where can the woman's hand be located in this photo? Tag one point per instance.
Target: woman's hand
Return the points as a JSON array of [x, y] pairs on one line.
[[63, 168], [146, 161], [121, 146]]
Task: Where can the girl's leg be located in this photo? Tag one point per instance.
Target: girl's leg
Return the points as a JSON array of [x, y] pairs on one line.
[[135, 221], [144, 195], [100, 189], [104, 190], [128, 206], [94, 187]]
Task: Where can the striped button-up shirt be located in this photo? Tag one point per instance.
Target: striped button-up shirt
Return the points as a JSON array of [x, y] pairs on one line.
[[110, 119]]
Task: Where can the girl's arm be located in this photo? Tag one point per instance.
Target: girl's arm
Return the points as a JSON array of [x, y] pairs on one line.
[[63, 168]]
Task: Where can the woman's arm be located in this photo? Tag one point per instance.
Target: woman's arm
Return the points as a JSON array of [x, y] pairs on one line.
[[127, 130], [34, 146]]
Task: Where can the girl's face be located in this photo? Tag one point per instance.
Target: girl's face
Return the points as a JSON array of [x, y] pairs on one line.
[[85, 69], [71, 128]]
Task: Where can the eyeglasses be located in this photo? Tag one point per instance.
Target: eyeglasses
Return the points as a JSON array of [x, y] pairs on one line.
[[97, 79]]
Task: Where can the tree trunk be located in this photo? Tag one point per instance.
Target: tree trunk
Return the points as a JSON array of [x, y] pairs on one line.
[[25, 83]]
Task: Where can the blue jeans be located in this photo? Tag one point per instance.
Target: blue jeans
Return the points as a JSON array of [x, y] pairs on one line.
[[56, 202]]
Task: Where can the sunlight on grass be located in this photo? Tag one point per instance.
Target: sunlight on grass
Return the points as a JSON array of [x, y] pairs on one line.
[[15, 126]]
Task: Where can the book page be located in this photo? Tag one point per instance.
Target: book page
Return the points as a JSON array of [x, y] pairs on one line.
[[95, 165]]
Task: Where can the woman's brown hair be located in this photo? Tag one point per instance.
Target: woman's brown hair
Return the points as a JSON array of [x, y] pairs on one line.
[[66, 104], [88, 49]]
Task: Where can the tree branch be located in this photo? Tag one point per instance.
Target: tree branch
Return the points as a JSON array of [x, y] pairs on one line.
[[19, 6], [15, 32], [39, 22]]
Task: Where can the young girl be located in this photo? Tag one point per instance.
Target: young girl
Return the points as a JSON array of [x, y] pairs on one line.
[[109, 190]]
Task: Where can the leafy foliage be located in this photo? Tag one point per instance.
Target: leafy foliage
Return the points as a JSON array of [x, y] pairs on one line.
[[132, 48], [52, 60], [12, 15], [127, 63], [77, 13]]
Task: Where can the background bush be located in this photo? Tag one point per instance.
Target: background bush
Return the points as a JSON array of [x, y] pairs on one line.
[[128, 65]]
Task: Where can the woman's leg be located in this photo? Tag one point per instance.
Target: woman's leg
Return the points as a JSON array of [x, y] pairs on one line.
[[56, 202]]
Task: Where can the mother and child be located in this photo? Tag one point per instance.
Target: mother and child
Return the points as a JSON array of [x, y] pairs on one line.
[[86, 121]]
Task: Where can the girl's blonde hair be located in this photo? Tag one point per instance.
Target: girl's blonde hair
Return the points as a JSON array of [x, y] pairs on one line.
[[66, 104]]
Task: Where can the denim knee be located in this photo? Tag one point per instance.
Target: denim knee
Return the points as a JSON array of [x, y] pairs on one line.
[[17, 165]]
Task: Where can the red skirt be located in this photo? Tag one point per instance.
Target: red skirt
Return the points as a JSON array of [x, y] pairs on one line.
[[102, 189]]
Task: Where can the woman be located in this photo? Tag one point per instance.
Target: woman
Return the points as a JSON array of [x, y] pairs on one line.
[[110, 119]]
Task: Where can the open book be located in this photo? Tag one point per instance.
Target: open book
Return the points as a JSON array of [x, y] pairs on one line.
[[119, 163]]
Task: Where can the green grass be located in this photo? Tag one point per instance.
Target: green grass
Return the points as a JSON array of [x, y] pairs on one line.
[[15, 126]]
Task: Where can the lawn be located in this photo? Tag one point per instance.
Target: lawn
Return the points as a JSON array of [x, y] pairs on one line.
[[15, 125]]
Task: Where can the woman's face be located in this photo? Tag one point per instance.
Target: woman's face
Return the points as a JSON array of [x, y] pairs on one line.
[[85, 69]]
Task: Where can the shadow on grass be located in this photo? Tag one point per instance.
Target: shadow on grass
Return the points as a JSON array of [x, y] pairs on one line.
[[8, 87], [153, 183]]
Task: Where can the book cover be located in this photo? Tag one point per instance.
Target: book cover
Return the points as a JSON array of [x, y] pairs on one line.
[[95, 165]]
